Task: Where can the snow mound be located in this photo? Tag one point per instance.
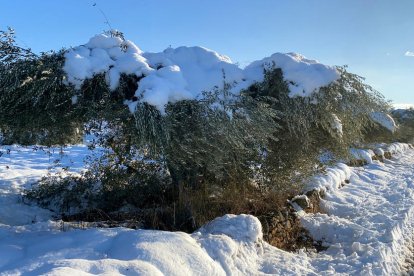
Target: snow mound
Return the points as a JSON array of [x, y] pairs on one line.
[[332, 179], [384, 120], [397, 148], [185, 73], [362, 154], [117, 251], [241, 228], [379, 151]]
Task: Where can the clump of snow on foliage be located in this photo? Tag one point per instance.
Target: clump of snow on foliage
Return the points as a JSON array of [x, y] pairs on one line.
[[104, 54], [337, 125], [165, 85], [384, 120], [203, 69], [185, 72], [305, 76]]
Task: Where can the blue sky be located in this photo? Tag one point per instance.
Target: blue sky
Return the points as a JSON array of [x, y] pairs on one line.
[[372, 37]]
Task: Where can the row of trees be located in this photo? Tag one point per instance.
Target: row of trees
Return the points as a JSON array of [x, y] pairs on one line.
[[202, 158]]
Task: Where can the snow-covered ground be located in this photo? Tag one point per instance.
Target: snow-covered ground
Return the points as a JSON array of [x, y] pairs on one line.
[[22, 166], [368, 226]]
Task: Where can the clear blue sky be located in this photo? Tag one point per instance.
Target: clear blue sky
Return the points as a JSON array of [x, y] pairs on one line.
[[371, 36]]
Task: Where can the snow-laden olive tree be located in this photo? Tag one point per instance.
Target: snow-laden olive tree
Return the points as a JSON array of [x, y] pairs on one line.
[[198, 159]]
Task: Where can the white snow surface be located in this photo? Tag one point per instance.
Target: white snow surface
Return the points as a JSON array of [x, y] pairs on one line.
[[403, 106], [367, 226], [305, 76], [185, 72], [363, 154], [384, 120]]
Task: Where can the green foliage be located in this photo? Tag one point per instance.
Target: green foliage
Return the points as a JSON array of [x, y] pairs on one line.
[[36, 105], [309, 125], [199, 159], [354, 105], [107, 186], [218, 143], [211, 144], [405, 120], [39, 107], [10, 51], [63, 194]]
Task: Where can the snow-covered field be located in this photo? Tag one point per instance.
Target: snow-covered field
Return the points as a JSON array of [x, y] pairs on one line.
[[368, 227]]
